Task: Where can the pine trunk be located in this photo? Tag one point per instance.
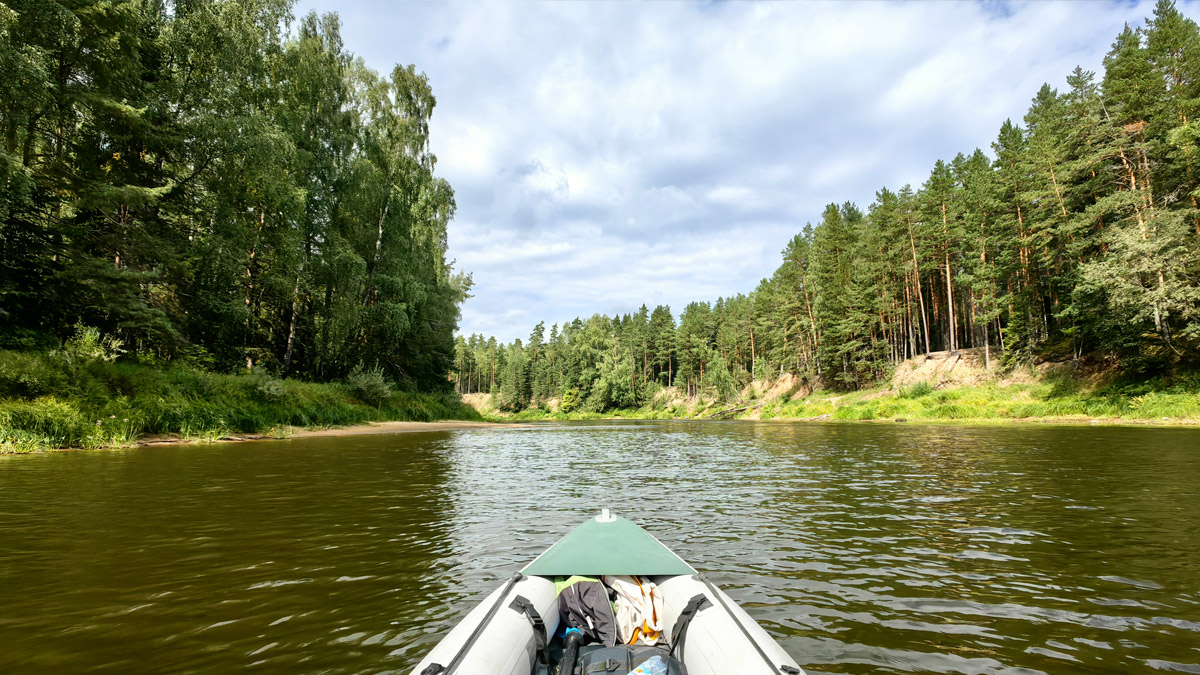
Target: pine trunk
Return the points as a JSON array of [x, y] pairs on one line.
[[917, 278], [949, 287]]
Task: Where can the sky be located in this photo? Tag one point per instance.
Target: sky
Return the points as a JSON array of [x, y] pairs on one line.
[[610, 154]]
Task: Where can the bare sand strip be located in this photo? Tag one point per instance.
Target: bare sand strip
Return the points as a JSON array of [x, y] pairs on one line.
[[400, 427], [356, 430]]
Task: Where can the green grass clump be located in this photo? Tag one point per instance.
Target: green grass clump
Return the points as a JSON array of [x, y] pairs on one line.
[[915, 391], [858, 411], [63, 400]]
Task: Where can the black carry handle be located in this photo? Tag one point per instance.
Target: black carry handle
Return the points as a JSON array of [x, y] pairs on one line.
[[690, 610], [523, 606]]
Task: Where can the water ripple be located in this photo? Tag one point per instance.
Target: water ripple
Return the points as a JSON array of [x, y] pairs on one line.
[[863, 548]]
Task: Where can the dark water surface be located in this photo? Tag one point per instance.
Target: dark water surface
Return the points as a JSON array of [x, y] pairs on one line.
[[864, 548]]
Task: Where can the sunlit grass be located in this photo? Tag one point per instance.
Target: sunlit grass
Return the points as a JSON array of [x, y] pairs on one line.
[[1060, 399], [1159, 401]]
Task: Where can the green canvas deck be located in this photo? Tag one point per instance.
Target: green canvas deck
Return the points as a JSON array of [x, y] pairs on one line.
[[618, 546]]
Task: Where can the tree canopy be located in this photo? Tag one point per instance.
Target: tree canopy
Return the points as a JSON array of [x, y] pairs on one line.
[[216, 181], [1078, 234]]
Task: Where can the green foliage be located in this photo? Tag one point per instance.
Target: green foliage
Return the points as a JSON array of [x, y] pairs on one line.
[[570, 401], [916, 390], [47, 402], [719, 379], [30, 375], [369, 385], [221, 183], [515, 394], [1080, 234], [88, 344], [614, 387], [270, 388]]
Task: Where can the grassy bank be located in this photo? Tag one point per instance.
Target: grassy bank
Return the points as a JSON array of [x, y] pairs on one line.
[[1054, 400], [1157, 402], [76, 398]]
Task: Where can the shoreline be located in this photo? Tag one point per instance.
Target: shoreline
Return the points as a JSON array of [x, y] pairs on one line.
[[1020, 421], [834, 418], [400, 427], [294, 433], [122, 405], [382, 428]]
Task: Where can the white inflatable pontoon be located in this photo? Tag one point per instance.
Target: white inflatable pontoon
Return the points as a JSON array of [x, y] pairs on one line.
[[513, 630]]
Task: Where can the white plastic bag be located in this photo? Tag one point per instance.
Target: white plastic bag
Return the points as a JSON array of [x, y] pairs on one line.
[[639, 609]]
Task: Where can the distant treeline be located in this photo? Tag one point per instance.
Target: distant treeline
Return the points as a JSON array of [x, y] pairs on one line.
[[212, 181], [1082, 235]]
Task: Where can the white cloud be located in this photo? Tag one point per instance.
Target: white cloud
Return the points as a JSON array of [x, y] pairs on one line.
[[610, 154]]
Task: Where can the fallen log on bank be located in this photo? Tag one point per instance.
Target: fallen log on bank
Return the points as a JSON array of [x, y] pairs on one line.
[[733, 411]]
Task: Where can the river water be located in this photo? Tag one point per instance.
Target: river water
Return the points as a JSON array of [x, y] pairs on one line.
[[881, 548]]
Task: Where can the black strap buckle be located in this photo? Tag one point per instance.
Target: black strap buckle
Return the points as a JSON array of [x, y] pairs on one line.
[[523, 606], [606, 666]]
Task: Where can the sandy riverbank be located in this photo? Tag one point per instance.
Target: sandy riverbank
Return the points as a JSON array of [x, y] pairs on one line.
[[355, 430]]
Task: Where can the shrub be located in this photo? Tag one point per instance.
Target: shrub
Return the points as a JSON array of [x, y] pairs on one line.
[[88, 344], [570, 401], [369, 385], [25, 375], [268, 388]]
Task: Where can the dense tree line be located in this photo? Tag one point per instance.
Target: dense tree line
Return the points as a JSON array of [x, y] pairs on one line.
[[215, 181], [1079, 233]]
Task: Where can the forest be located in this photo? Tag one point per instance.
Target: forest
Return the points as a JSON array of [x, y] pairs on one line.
[[1076, 237], [218, 184], [215, 220]]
